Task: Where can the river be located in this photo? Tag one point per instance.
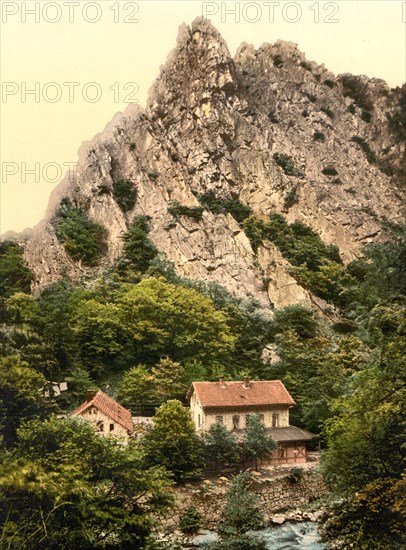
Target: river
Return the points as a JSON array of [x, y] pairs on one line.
[[289, 536], [292, 536]]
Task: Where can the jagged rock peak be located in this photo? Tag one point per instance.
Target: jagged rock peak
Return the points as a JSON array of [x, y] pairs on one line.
[[201, 63], [269, 129]]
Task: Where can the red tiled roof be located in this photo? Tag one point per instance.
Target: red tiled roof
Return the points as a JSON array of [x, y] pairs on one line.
[[110, 408], [259, 393]]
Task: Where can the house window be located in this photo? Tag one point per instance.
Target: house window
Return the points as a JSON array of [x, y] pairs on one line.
[[247, 419], [262, 418], [199, 421], [236, 422], [219, 419], [111, 427], [275, 419], [100, 426], [281, 452]]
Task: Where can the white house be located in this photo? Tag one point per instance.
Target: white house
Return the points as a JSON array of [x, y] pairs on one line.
[[231, 403]]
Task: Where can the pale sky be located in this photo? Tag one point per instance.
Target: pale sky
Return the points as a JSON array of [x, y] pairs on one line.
[[84, 61]]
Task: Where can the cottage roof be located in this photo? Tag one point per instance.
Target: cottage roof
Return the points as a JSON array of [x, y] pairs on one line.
[[243, 394], [109, 407]]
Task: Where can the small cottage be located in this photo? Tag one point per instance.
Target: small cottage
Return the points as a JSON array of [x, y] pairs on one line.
[[107, 416], [231, 403]]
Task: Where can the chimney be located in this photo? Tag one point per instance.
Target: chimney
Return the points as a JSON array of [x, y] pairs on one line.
[[247, 383], [90, 394]]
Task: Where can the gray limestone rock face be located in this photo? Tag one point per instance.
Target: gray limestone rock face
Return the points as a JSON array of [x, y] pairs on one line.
[[214, 123]]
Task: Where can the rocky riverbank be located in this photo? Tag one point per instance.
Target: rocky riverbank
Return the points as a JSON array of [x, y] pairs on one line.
[[283, 496]]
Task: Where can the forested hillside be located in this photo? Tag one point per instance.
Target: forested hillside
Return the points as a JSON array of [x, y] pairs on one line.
[[143, 333]]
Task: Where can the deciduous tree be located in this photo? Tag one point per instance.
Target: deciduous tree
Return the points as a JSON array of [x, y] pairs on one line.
[[173, 443], [221, 446], [66, 487], [257, 443]]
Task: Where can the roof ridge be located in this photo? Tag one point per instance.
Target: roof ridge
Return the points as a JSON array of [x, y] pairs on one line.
[[110, 407]]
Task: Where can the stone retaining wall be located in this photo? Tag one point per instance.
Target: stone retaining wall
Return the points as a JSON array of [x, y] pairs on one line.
[[275, 494]]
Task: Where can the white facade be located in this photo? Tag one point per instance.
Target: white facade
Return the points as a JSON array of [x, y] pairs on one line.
[[103, 424], [272, 416]]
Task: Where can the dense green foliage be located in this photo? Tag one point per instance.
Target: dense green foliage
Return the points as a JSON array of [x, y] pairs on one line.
[[137, 387], [258, 445], [221, 446], [397, 113], [139, 250], [63, 486], [125, 194], [177, 210], [357, 90], [83, 239], [287, 165], [146, 333], [373, 518], [14, 274], [315, 265], [166, 380], [190, 521], [242, 512], [369, 154], [21, 396], [173, 443], [225, 205]]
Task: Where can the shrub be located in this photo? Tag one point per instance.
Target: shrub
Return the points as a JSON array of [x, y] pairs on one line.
[[291, 198], [354, 88], [329, 171], [327, 111], [316, 265], [329, 83], [103, 190], [306, 65], [272, 117], [285, 162], [396, 114], [190, 521], [124, 194], [305, 113], [295, 475], [221, 447], [14, 273], [241, 512], [139, 250], [369, 154], [312, 98], [220, 205], [295, 317], [319, 136], [278, 61], [345, 326], [176, 210], [351, 109], [153, 176], [366, 116], [82, 239], [255, 231]]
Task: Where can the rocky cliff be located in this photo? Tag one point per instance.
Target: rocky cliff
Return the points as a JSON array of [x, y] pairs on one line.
[[279, 132]]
